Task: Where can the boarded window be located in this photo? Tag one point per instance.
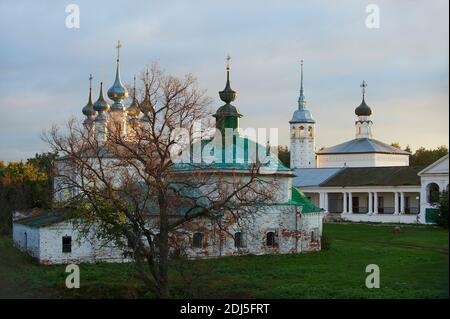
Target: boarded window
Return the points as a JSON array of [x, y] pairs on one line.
[[197, 240], [270, 239], [67, 244]]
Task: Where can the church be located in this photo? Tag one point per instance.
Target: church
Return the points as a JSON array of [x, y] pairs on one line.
[[362, 179], [291, 224]]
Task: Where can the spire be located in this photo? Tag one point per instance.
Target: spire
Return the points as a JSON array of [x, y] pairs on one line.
[[118, 91], [301, 98], [88, 109], [363, 109], [228, 95]]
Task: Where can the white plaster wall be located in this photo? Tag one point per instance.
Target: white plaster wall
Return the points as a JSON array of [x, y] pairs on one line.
[[303, 154], [28, 243], [361, 160], [85, 248], [382, 218], [442, 180]]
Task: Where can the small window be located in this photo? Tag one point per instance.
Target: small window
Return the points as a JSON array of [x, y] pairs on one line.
[[239, 240], [270, 239], [310, 131], [67, 244], [315, 235], [197, 240]]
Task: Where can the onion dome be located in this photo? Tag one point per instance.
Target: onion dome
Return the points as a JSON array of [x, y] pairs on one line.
[[228, 95], [363, 109], [88, 109], [146, 104], [118, 92], [101, 105], [133, 110]]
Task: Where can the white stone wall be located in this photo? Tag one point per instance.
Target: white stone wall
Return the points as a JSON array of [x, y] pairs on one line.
[[293, 235], [27, 239], [303, 148], [361, 160]]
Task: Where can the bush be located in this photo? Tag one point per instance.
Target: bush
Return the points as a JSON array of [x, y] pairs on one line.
[[443, 210], [325, 242]]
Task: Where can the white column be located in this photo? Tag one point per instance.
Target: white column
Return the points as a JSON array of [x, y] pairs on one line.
[[322, 200], [344, 203], [375, 203], [326, 202], [396, 203], [369, 204], [350, 203], [402, 203]]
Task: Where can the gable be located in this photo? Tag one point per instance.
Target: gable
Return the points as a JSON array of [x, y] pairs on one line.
[[438, 167]]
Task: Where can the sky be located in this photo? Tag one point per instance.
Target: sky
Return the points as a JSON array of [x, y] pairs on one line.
[[44, 66]]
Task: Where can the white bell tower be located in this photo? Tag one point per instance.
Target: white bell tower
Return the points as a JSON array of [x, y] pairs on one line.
[[303, 153]]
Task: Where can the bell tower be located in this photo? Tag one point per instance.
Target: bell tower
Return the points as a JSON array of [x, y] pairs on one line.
[[303, 154]]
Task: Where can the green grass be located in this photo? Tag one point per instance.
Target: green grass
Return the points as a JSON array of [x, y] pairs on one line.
[[413, 264]]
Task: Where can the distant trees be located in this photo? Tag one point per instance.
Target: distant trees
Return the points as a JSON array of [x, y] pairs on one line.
[[23, 186], [423, 157], [284, 155]]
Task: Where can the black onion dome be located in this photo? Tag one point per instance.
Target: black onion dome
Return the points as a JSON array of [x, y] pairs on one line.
[[363, 109]]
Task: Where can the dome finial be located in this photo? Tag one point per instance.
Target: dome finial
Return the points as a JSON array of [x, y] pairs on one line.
[[228, 95], [301, 98], [363, 109], [363, 86]]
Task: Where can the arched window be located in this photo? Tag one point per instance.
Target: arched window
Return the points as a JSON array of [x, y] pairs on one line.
[[197, 240], [310, 131], [301, 131], [293, 132], [432, 193], [270, 239], [239, 240]]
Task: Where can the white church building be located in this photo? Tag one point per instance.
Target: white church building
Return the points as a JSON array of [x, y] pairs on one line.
[[291, 224], [363, 179]]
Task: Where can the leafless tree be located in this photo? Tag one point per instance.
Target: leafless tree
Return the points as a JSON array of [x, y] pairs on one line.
[[131, 189]]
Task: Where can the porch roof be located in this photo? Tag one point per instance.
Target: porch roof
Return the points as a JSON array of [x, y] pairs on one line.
[[375, 176]]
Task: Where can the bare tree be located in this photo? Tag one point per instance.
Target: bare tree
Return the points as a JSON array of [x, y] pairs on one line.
[[131, 190]]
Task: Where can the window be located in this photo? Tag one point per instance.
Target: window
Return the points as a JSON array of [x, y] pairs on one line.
[[239, 240], [310, 131], [301, 131], [270, 239], [315, 234], [197, 240], [67, 244]]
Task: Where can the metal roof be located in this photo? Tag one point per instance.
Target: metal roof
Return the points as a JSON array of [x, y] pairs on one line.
[[305, 177], [363, 145], [302, 116], [375, 176], [45, 218]]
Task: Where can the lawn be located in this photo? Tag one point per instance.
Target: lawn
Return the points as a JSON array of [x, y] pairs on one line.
[[413, 264]]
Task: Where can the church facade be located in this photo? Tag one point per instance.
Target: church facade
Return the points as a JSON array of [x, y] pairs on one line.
[[363, 179], [292, 224]]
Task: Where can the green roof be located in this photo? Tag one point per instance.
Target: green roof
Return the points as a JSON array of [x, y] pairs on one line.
[[298, 198]]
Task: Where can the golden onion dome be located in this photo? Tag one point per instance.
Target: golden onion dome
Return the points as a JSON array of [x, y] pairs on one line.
[[133, 110], [146, 104]]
